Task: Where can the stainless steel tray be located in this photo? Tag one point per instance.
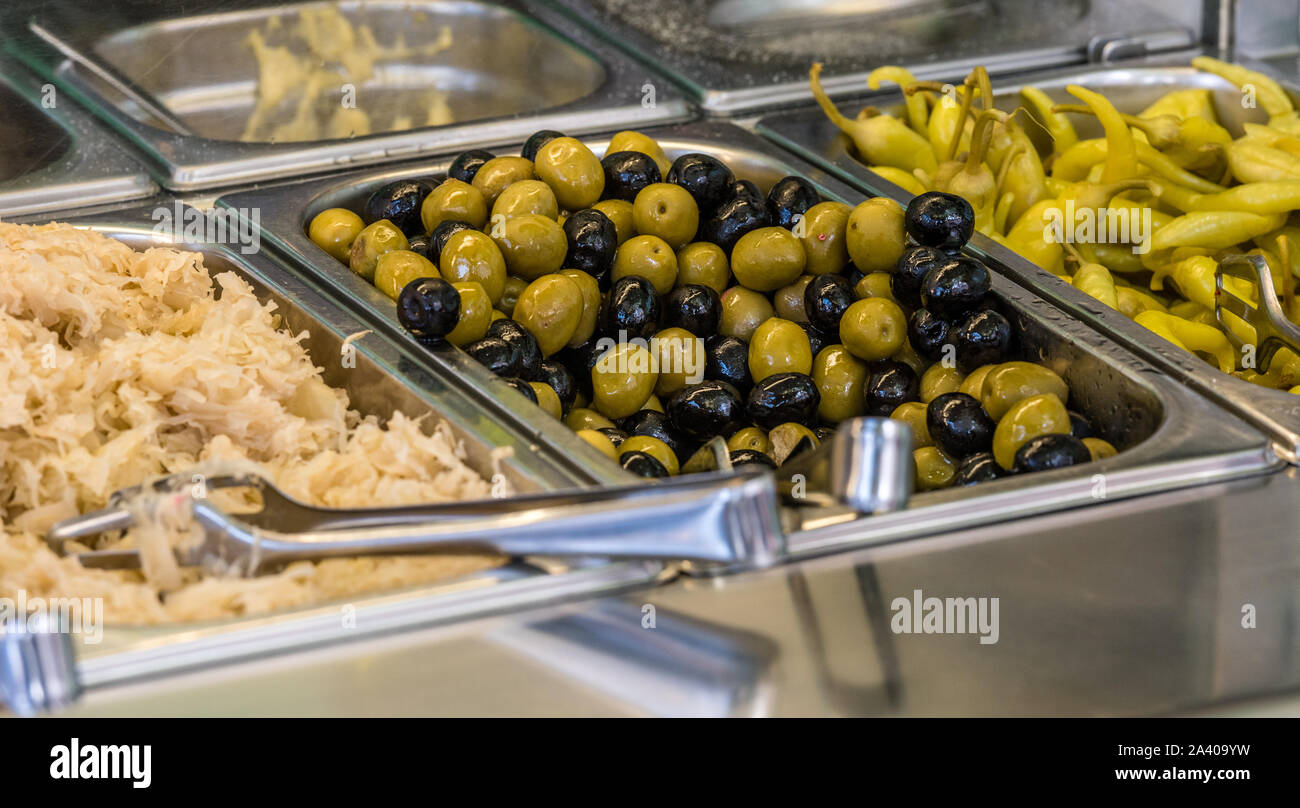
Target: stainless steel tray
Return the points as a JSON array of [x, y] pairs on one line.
[[1171, 437], [53, 155], [384, 379], [742, 56], [809, 134], [182, 87]]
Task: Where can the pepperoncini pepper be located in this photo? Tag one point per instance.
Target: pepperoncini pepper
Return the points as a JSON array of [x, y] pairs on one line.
[[1270, 94], [918, 112], [1191, 336], [879, 138]]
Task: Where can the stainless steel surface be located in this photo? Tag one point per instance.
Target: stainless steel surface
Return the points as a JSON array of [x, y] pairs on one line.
[[810, 135], [383, 379], [1168, 437], [38, 670], [1139, 608], [53, 155], [866, 466], [509, 69], [736, 57], [709, 518], [1272, 328]]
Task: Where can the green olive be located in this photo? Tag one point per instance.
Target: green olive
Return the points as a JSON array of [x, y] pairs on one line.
[[651, 258], [628, 140], [779, 346], [743, 310], [841, 379], [875, 238], [453, 200], [823, 229], [526, 196], [373, 241], [619, 212], [679, 358], [937, 380], [767, 259], [591, 300], [514, 286], [500, 173], [598, 439], [1027, 419], [396, 268], [701, 462], [654, 447], [788, 300], [705, 264], [334, 230], [547, 399], [652, 403], [875, 284], [908, 356], [934, 469], [475, 314], [580, 418], [912, 413], [551, 309], [573, 172], [622, 379], [973, 384], [470, 255], [1099, 449], [498, 314], [873, 328], [1013, 381], [785, 437], [750, 437], [668, 211], [532, 245]]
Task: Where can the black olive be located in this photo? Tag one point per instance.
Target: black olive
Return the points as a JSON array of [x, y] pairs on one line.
[[788, 198], [580, 360], [421, 245], [633, 307], [441, 233], [627, 172], [655, 424], [642, 465], [732, 219], [523, 341], [399, 202], [978, 468], [938, 219], [928, 333], [525, 389], [496, 355], [852, 274], [703, 410], [824, 300], [781, 398], [536, 141], [693, 307], [955, 287], [1047, 452], [616, 436], [818, 339], [704, 177], [959, 425], [467, 164], [593, 240], [751, 457], [1080, 426], [891, 383], [910, 271], [428, 308], [726, 359], [744, 189], [559, 378], [981, 338]]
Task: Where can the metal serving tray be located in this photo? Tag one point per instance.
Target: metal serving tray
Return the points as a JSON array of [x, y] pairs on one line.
[[383, 380], [1170, 437], [53, 155], [809, 134], [182, 87], [744, 56]]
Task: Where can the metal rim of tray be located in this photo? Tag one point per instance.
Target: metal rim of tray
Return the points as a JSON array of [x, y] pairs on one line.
[[808, 134]]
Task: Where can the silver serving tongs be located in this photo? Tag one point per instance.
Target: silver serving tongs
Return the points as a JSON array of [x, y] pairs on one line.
[[730, 519], [1273, 329]]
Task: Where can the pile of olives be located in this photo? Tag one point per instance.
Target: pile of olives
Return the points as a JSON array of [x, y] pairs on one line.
[[655, 305]]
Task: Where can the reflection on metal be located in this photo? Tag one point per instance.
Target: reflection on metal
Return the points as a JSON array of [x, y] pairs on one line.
[[866, 466], [38, 667]]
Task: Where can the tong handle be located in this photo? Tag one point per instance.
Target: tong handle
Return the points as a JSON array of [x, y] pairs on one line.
[[1272, 327]]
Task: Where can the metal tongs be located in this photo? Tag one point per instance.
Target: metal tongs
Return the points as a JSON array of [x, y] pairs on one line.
[[729, 519], [1273, 329]]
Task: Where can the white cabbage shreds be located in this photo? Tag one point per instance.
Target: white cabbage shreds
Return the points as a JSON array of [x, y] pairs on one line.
[[117, 366]]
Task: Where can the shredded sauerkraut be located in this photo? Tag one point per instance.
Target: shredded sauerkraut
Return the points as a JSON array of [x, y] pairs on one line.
[[119, 365]]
